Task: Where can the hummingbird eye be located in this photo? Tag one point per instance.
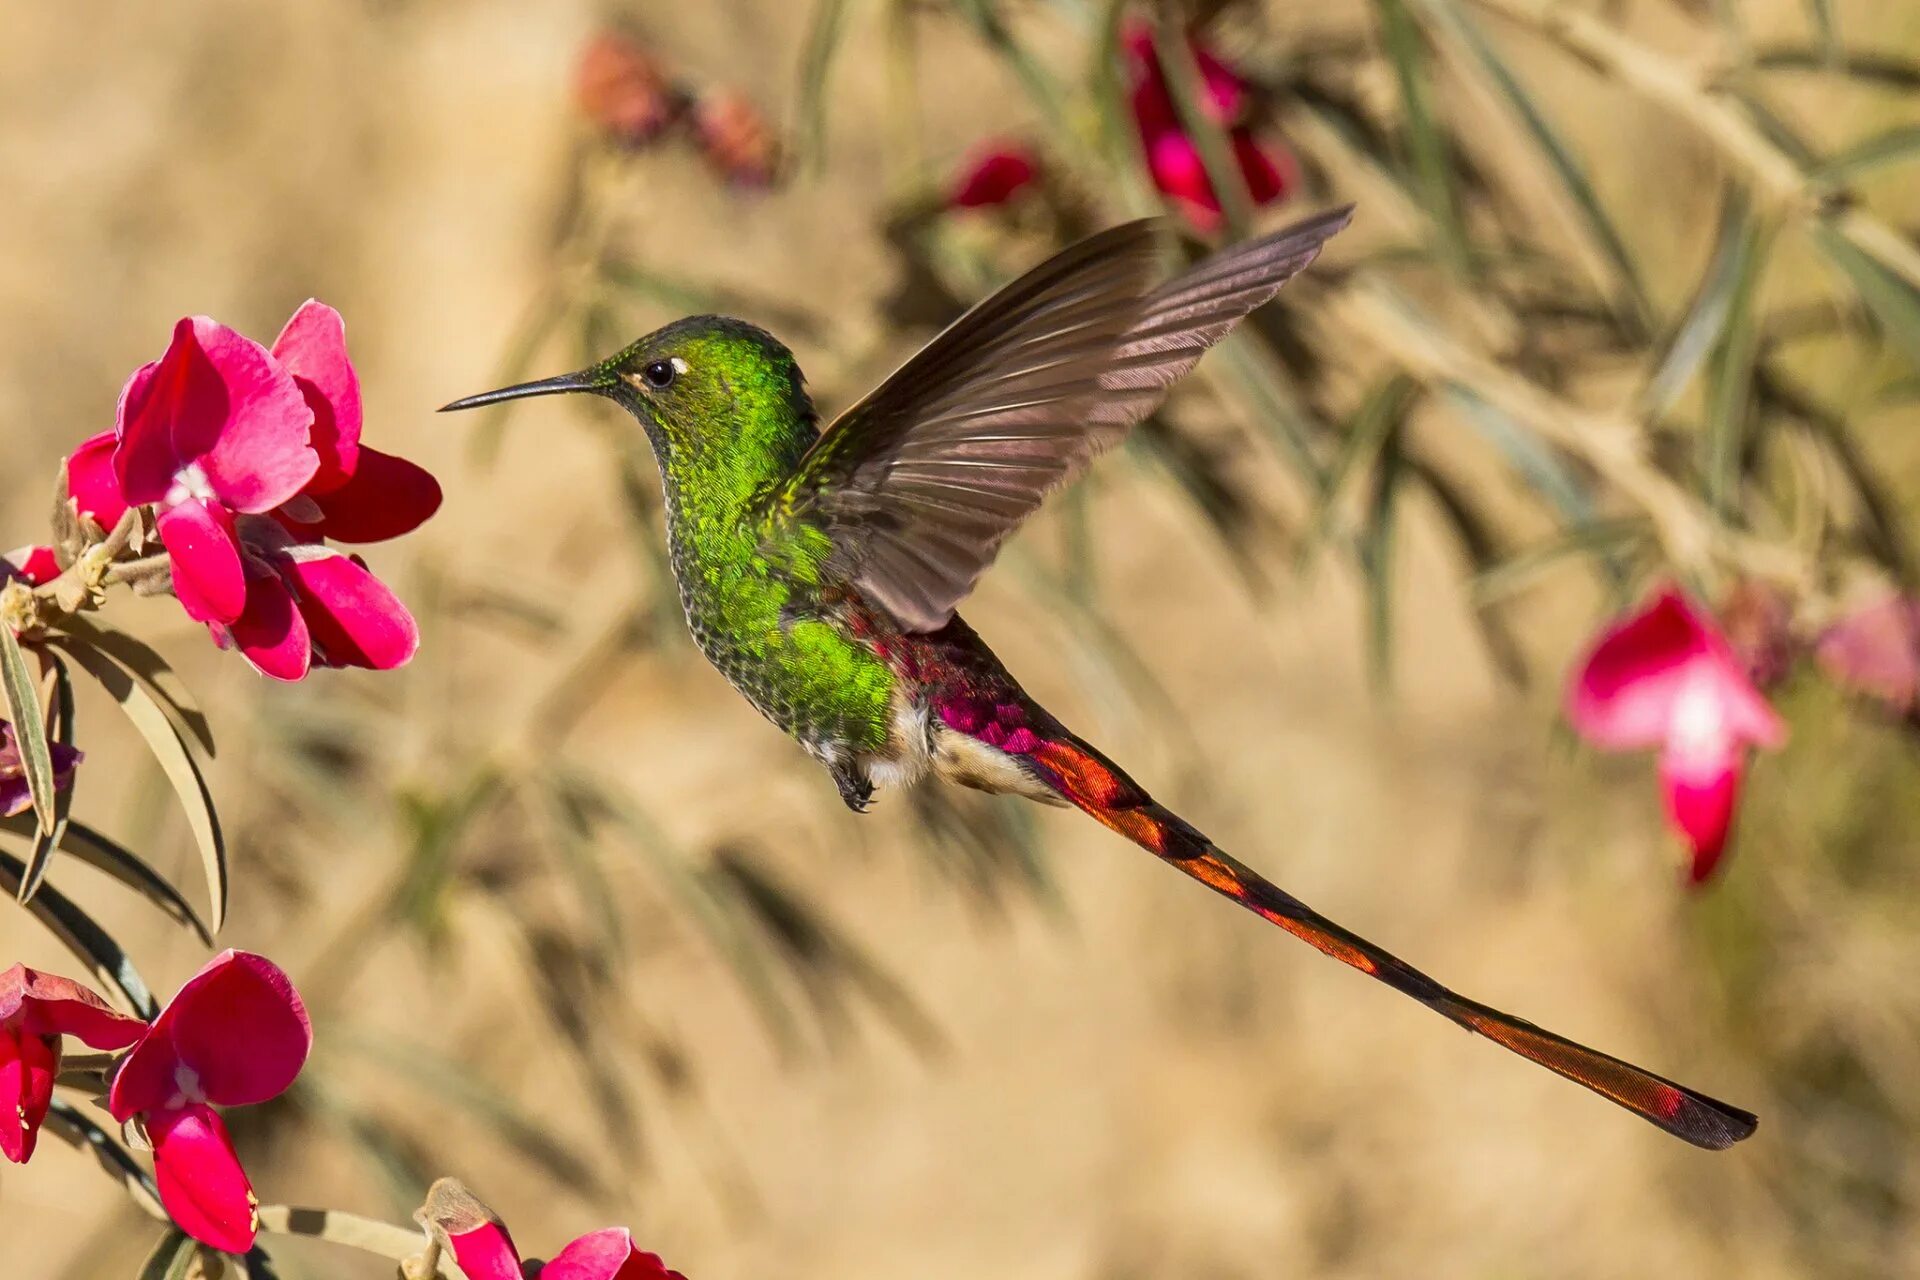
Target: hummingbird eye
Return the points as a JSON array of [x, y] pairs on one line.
[[661, 373]]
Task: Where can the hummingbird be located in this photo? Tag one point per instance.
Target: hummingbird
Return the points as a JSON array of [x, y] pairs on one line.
[[820, 569]]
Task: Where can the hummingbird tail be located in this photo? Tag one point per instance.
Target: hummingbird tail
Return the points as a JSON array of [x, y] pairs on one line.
[[1087, 780]]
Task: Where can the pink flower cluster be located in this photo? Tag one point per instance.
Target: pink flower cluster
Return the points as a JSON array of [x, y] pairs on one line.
[[997, 172], [251, 461], [484, 1249], [234, 1035]]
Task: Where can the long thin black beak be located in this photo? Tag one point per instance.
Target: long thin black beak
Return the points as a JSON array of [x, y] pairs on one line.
[[545, 387]]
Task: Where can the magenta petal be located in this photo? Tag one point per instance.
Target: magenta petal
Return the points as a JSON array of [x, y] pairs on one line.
[[91, 481], [1268, 171], [237, 1027], [1875, 650], [313, 348], [355, 620], [270, 633], [1701, 790], [485, 1252], [35, 566], [48, 1004], [1624, 695], [218, 402], [994, 177], [386, 497], [28, 1065], [207, 573], [1177, 169], [606, 1255], [202, 1186]]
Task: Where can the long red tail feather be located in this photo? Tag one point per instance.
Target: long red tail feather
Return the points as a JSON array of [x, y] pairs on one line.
[[1097, 787]]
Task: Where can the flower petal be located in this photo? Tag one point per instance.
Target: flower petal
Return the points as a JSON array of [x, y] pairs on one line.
[[1700, 790], [606, 1255], [91, 481], [355, 620], [994, 176], [202, 1185], [1270, 172], [479, 1240], [1875, 650], [386, 497], [28, 1065], [208, 577], [36, 566], [216, 400], [270, 633], [1177, 169], [313, 348], [48, 1004], [1623, 696], [238, 1027]]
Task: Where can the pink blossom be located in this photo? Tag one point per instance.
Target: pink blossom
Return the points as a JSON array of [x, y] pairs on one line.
[[484, 1249], [15, 797], [35, 566], [1666, 678], [236, 1034], [215, 427], [1173, 157], [36, 1009], [993, 175], [1875, 650]]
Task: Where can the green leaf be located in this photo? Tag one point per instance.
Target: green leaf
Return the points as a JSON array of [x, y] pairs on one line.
[[1542, 467], [98, 851], [1365, 433], [1426, 138], [146, 665], [169, 748], [1706, 317], [825, 34], [1185, 88], [29, 733], [94, 946], [1605, 538], [81, 1132], [45, 842], [172, 1257], [1629, 295], [1892, 301], [1895, 146], [1889, 70], [1730, 381], [1376, 556]]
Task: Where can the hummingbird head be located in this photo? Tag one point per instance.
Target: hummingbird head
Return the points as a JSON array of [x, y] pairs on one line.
[[701, 386]]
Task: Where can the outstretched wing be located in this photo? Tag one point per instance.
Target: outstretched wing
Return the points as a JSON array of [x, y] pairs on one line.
[[920, 483]]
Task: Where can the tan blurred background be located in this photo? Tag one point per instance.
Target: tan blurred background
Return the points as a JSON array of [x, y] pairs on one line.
[[1139, 1082]]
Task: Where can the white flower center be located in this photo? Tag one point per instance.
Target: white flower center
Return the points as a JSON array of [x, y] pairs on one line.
[[189, 482], [1699, 727], [186, 1084]]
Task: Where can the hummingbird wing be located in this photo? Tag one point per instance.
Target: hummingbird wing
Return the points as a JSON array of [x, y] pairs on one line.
[[920, 482]]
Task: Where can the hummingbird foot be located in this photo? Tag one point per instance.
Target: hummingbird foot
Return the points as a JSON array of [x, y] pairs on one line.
[[856, 788]]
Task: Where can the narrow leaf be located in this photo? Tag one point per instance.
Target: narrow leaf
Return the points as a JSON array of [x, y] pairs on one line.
[[1706, 317], [1826, 29], [1894, 303], [94, 946], [1376, 558], [79, 1131], [1895, 146], [176, 761], [146, 665], [1378, 416], [1730, 386], [1224, 175], [1890, 70], [1426, 138], [172, 1257], [1451, 18], [825, 34], [29, 733], [103, 854], [61, 732]]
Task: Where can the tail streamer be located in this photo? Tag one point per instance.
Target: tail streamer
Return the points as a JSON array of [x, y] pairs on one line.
[[1093, 784]]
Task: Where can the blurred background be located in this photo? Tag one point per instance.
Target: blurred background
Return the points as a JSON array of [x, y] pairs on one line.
[[1628, 294]]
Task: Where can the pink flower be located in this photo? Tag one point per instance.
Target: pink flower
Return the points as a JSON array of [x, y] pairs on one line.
[[484, 1250], [1875, 650], [14, 795], [235, 1034], [623, 90], [993, 175], [254, 460], [36, 1009], [1173, 158], [734, 136], [1666, 678], [214, 428], [35, 566]]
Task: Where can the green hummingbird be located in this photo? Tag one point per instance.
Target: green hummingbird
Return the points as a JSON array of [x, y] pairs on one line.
[[820, 569]]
